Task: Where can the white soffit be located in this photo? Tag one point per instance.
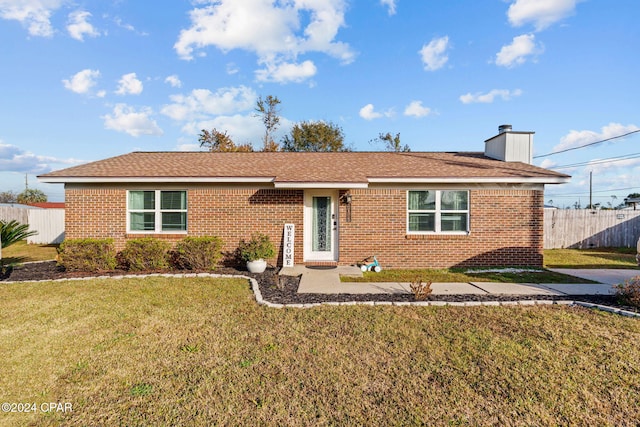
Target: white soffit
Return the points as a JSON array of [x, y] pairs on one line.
[[548, 180], [321, 185], [98, 180]]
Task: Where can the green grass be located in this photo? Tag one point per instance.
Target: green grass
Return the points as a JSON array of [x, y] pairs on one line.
[[462, 275], [553, 258], [591, 258], [168, 351], [22, 252]]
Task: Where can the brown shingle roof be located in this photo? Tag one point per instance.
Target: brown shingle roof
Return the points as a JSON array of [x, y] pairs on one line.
[[285, 167]]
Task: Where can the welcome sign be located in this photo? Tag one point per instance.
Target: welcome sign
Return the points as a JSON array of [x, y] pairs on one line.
[[289, 237]]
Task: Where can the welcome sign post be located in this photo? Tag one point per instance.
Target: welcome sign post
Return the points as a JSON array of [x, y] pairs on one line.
[[289, 238]]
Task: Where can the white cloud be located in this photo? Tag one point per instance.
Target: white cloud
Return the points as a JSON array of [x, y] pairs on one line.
[[434, 54], [517, 52], [202, 103], [391, 6], [286, 72], [542, 13], [135, 123], [416, 109], [34, 14], [368, 113], [188, 146], [82, 81], [15, 159], [276, 31], [489, 97], [241, 128], [79, 25], [617, 167], [173, 80], [232, 68], [120, 23], [577, 138], [548, 164], [129, 85]]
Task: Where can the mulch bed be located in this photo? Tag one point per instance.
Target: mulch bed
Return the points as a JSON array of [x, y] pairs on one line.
[[284, 289]]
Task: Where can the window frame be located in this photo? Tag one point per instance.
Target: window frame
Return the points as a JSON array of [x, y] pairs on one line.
[[157, 211], [438, 211]]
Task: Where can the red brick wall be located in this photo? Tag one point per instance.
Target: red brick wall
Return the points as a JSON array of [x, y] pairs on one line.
[[506, 225], [506, 229], [232, 214]]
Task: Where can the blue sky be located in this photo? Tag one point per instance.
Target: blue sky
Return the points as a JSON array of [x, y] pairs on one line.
[[85, 80]]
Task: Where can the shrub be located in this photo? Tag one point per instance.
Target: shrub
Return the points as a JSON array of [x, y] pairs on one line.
[[420, 289], [198, 253], [258, 247], [629, 292], [87, 255], [13, 231], [145, 253]]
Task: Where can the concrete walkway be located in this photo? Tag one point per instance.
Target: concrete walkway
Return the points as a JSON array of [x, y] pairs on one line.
[[608, 276], [320, 281]]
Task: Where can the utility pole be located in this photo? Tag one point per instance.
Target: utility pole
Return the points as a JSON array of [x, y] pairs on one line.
[[26, 181], [591, 190]]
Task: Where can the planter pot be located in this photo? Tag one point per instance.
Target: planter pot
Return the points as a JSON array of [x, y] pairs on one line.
[[257, 266]]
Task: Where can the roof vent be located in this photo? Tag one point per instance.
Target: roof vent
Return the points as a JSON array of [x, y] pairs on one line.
[[504, 128]]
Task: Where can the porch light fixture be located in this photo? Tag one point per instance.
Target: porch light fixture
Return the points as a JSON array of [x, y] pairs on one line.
[[346, 200]]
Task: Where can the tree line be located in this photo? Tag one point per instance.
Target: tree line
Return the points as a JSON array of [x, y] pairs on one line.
[[304, 135], [29, 195]]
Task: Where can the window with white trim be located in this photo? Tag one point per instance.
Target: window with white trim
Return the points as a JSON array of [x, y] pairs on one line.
[[438, 211], [157, 211]]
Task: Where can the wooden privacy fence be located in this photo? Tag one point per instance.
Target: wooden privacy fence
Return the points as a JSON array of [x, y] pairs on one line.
[[584, 228], [9, 213], [49, 223]]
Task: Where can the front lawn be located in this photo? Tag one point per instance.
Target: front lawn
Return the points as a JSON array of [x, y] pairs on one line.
[[466, 275], [22, 252], [169, 351], [591, 258]]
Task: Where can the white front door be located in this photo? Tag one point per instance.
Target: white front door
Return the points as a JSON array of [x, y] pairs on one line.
[[320, 225]]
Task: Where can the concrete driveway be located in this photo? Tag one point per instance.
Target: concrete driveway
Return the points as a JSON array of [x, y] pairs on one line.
[[328, 282], [606, 276]]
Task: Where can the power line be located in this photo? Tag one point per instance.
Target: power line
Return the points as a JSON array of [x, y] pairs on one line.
[[597, 191], [600, 161], [586, 145]]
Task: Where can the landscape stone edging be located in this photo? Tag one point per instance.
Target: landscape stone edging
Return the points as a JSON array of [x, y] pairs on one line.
[[256, 291]]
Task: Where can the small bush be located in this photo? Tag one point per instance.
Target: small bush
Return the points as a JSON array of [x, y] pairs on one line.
[[145, 253], [629, 292], [198, 253], [258, 247], [420, 289], [87, 255]]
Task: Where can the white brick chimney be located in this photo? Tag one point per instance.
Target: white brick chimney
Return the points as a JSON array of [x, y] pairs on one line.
[[510, 146]]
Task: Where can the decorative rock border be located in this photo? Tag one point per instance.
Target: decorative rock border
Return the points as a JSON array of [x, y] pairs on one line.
[[256, 291]]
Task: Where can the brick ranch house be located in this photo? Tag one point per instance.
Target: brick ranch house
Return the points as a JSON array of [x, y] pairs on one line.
[[416, 209]]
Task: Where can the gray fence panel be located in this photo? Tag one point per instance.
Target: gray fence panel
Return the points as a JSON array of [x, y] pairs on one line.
[[8, 213], [49, 223], [584, 228]]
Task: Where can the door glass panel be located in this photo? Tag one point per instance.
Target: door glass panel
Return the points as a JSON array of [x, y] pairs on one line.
[[321, 238]]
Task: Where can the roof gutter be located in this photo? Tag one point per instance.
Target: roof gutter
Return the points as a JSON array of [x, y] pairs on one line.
[[547, 180], [297, 185], [303, 185], [163, 179]]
